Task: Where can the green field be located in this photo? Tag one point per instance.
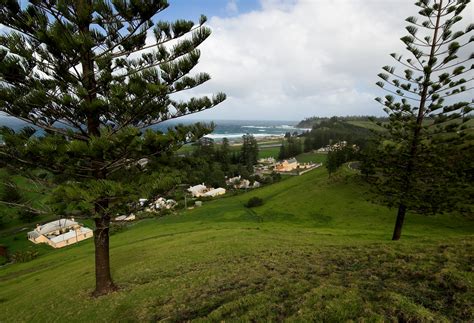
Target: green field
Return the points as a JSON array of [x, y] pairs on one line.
[[268, 152], [317, 250], [311, 158]]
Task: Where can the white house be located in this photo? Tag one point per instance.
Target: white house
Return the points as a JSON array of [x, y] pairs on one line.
[[130, 217], [160, 204], [214, 192], [269, 160], [142, 201], [60, 233], [197, 190], [238, 182]]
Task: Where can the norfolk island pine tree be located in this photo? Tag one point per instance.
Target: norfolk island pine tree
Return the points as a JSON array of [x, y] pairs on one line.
[[421, 163], [94, 76]]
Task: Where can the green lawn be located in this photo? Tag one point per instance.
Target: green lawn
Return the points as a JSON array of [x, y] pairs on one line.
[[311, 158], [268, 152], [317, 250]]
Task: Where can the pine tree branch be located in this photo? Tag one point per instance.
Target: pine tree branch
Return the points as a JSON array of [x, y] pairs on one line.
[[158, 43], [441, 68], [451, 94], [23, 206]]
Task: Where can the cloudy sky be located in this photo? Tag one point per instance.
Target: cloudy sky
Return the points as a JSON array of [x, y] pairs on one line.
[[290, 59]]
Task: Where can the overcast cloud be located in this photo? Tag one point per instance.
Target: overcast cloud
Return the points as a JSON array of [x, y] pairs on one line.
[[294, 59]]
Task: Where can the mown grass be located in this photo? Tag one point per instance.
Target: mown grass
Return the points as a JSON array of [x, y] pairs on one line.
[[268, 152], [311, 158], [317, 250]]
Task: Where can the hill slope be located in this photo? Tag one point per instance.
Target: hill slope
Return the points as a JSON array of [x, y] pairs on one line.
[[316, 250]]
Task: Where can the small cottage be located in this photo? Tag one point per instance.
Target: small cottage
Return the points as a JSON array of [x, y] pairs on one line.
[[60, 233], [215, 192], [287, 165], [197, 190]]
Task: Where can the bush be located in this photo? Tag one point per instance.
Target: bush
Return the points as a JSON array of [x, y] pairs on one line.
[[27, 216], [24, 256], [253, 202], [3, 260], [10, 192], [117, 227]]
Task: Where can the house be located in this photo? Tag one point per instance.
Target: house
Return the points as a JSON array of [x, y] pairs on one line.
[[143, 162], [269, 160], [160, 204], [197, 190], [233, 181], [214, 192], [60, 233], [238, 182], [287, 165], [130, 217]]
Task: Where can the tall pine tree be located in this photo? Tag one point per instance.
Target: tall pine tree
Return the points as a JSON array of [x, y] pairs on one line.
[[249, 151], [93, 74], [426, 126]]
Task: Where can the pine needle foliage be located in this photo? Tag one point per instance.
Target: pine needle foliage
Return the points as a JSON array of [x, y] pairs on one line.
[[423, 161], [94, 76]]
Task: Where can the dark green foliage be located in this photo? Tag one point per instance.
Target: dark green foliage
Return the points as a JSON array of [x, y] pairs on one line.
[[107, 74], [368, 157], [249, 152], [223, 155], [337, 157], [254, 202], [291, 147], [23, 256], [421, 161], [27, 215], [335, 129], [312, 122], [10, 192]]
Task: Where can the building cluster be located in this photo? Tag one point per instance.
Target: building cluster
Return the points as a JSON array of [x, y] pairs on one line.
[[240, 183], [202, 190], [337, 146], [60, 233], [269, 165], [157, 205]]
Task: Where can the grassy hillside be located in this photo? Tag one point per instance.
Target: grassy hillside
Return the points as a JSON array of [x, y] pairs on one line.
[[316, 250]]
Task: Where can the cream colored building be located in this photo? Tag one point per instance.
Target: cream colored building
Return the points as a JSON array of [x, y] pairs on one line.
[[287, 165], [214, 192], [60, 233]]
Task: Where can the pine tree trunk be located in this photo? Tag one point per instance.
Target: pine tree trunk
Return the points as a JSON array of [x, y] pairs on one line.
[[397, 232], [103, 279]]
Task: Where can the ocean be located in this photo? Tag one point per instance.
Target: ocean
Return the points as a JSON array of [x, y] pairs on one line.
[[231, 129]]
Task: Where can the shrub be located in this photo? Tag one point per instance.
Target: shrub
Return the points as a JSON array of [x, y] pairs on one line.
[[3, 260], [116, 227], [10, 192], [253, 202], [27, 216], [23, 256]]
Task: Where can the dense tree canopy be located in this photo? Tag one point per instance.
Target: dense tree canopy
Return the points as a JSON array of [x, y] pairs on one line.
[[94, 76]]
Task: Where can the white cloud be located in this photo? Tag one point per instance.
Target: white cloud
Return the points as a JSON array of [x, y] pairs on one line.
[[294, 59]]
